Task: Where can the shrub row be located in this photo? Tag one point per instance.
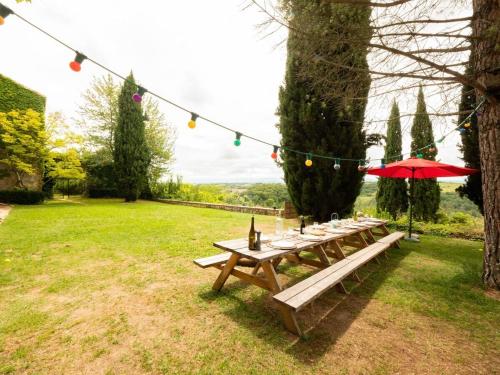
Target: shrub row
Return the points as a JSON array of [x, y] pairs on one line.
[[21, 196], [102, 193]]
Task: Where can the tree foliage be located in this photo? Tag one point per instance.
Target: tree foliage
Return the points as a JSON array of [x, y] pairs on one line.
[[22, 143], [131, 154], [310, 123], [99, 115], [472, 188], [392, 194], [426, 194]]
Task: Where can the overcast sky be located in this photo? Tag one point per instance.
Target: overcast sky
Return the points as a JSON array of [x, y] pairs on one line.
[[206, 55]]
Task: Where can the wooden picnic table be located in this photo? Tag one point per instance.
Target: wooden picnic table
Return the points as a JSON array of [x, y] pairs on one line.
[[358, 235]]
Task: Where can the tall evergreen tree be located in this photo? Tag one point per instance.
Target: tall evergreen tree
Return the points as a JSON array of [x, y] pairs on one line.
[[472, 188], [334, 127], [131, 154], [426, 195], [392, 194]]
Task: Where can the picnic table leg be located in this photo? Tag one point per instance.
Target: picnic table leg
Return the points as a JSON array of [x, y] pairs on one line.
[[289, 317], [225, 272], [256, 269], [271, 277], [337, 249], [361, 239], [320, 252], [370, 236]]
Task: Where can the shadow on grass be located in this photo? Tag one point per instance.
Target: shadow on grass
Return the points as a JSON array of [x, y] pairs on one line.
[[325, 321]]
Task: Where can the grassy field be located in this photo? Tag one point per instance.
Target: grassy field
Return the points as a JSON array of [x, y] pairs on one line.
[[104, 287]]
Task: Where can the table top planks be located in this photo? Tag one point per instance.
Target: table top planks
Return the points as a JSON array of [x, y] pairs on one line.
[[267, 252]]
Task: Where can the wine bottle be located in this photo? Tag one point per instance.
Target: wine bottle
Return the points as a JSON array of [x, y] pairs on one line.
[[251, 236], [302, 225]]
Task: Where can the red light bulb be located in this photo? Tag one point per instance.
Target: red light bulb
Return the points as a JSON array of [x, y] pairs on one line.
[[75, 66], [274, 155]]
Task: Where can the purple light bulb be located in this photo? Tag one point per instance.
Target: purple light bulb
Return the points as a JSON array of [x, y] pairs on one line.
[[137, 98]]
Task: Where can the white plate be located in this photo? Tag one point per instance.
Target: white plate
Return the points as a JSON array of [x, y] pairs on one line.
[[337, 231], [310, 237], [283, 245]]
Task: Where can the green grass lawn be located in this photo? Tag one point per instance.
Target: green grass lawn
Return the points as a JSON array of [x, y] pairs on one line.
[[104, 287]]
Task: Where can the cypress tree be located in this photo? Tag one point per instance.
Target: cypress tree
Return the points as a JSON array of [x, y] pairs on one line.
[[472, 188], [426, 194], [392, 192], [130, 154], [310, 124]]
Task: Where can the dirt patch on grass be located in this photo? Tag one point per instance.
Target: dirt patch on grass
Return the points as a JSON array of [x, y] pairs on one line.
[[367, 336], [4, 211]]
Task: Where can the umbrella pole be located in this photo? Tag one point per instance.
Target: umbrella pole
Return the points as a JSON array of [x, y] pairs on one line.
[[412, 186]]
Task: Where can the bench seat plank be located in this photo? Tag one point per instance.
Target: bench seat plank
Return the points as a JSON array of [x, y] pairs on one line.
[[213, 260], [391, 238]]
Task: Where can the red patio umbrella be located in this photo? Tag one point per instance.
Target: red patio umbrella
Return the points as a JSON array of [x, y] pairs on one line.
[[418, 168]]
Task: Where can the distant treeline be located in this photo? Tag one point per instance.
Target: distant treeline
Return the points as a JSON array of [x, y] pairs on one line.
[[275, 194]]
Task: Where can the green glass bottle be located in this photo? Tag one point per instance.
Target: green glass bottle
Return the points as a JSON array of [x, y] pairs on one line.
[[251, 236]]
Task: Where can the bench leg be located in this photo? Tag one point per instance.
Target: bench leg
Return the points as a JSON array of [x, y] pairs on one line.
[[226, 271], [356, 277], [341, 288], [290, 320], [397, 245]]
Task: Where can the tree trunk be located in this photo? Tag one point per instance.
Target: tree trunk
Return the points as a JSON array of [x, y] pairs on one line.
[[486, 62]]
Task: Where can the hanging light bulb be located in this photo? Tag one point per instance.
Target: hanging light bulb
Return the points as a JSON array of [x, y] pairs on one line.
[[432, 148], [274, 155], [336, 166], [237, 141], [361, 166], [4, 13], [467, 125], [309, 161], [76, 64], [420, 155], [192, 122], [382, 163], [461, 130], [137, 97]]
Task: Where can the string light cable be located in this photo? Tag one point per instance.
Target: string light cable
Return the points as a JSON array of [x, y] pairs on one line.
[[75, 65]]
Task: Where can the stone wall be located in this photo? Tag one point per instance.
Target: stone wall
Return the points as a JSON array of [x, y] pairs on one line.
[[227, 207], [33, 182]]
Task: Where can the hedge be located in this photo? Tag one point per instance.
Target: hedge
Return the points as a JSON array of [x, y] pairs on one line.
[[14, 96], [21, 196], [102, 193]]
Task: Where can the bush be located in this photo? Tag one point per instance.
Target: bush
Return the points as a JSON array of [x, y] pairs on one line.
[[103, 193], [73, 187], [19, 196], [460, 218]]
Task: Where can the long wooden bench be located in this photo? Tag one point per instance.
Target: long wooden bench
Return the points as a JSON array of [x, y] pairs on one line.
[[303, 293]]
